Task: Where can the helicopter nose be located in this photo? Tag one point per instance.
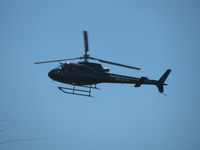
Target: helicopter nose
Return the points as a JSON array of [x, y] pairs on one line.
[[53, 73]]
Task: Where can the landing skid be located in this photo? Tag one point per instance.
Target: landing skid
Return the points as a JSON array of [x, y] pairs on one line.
[[85, 91]]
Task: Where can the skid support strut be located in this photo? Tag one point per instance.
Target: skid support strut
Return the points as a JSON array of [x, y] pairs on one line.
[[82, 91]]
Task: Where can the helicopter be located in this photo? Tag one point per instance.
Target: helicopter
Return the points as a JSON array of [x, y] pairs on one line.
[[86, 75]]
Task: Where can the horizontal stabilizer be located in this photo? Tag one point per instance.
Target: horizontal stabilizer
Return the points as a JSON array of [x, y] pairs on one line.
[[140, 81]]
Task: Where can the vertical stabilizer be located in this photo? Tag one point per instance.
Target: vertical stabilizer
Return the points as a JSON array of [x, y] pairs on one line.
[[161, 81]]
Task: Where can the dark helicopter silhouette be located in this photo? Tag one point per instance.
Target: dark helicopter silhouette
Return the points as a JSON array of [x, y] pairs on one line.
[[87, 75]]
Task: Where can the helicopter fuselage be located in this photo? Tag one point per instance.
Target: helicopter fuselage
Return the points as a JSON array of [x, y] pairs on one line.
[[85, 73]]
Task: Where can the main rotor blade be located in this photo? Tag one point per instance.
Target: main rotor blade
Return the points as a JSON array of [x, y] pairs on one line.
[[51, 61], [113, 63], [85, 35]]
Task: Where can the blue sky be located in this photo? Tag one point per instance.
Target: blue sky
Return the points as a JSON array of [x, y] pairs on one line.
[[154, 35]]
